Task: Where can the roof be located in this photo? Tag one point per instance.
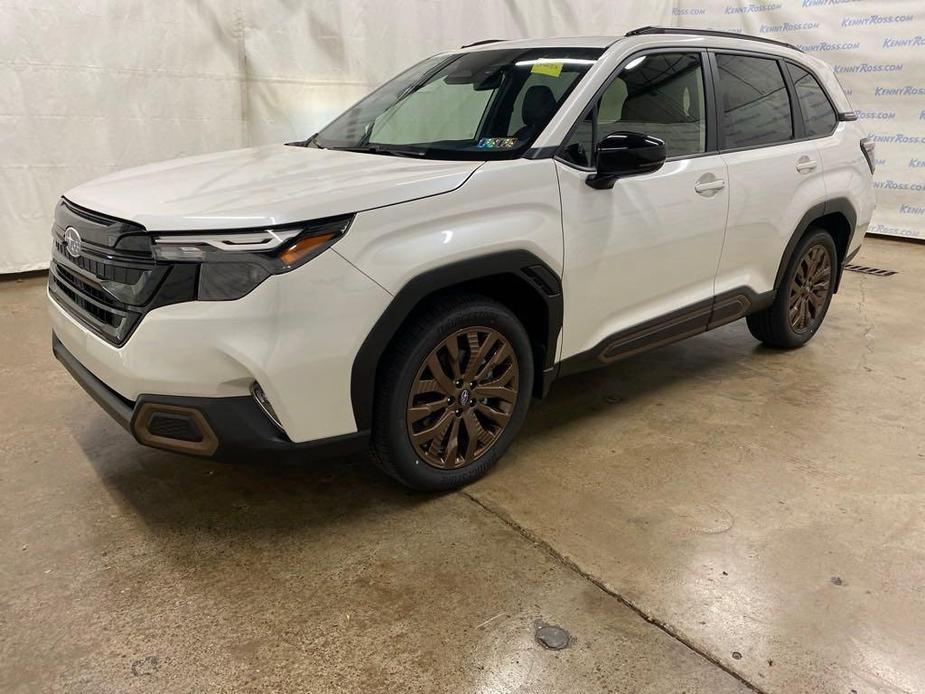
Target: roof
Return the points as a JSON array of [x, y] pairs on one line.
[[607, 41], [554, 42], [649, 30]]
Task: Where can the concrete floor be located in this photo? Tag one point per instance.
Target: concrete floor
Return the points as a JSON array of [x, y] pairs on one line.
[[709, 517]]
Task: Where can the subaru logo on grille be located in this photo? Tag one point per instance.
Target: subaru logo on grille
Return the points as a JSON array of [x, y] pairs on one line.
[[72, 242]]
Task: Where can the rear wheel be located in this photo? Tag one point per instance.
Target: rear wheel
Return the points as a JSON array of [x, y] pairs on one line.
[[803, 297], [453, 393]]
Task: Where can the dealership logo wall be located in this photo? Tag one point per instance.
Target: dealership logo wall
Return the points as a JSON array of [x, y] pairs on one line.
[[879, 56], [256, 74]]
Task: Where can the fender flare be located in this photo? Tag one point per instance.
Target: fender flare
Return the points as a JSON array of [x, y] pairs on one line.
[[520, 263], [842, 205]]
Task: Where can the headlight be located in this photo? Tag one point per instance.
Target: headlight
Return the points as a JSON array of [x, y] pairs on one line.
[[233, 262]]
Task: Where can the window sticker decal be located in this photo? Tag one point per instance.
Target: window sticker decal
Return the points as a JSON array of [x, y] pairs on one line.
[[497, 142]]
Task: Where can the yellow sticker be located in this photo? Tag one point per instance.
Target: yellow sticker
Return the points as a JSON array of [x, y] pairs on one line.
[[551, 69]]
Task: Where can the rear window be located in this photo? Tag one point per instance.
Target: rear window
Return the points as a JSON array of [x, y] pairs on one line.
[[755, 103], [818, 115]]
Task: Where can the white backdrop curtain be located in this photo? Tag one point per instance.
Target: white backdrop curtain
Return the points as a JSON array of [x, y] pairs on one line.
[[91, 86]]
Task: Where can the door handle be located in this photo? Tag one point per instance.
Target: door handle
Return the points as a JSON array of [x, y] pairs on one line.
[[708, 187], [805, 165]]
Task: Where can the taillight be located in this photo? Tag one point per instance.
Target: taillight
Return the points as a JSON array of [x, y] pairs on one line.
[[869, 149]]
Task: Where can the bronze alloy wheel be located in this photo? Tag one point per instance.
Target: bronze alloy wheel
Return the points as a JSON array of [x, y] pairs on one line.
[[462, 398], [809, 290]]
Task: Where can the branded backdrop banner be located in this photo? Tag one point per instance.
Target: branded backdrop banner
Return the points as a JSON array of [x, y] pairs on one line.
[[878, 52], [92, 87]]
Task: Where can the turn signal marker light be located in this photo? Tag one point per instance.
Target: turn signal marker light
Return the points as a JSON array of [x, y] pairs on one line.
[[304, 247]]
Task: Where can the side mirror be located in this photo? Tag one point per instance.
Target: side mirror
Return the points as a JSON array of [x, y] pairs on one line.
[[626, 154]]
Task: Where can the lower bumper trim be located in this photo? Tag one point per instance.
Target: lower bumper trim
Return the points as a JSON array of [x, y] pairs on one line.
[[232, 427], [115, 405]]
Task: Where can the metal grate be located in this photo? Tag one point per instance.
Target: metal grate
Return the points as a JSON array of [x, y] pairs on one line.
[[174, 426], [877, 272]]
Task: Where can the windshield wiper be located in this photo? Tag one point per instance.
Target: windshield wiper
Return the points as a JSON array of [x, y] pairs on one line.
[[310, 142], [380, 149]]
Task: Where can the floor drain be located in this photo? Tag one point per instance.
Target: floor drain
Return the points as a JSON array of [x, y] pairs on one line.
[[877, 272]]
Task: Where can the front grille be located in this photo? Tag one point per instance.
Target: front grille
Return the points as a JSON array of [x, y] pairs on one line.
[[114, 280], [101, 269], [89, 303], [85, 297], [92, 291]]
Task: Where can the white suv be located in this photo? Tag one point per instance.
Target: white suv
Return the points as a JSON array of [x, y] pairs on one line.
[[491, 219]]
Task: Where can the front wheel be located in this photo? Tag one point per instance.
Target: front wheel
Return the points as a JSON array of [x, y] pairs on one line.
[[803, 297], [453, 394]]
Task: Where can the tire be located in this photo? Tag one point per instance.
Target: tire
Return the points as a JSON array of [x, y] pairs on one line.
[[412, 402], [803, 296]]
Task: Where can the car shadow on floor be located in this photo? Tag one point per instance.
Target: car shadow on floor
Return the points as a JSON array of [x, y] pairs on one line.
[[167, 489], [270, 492], [617, 388]]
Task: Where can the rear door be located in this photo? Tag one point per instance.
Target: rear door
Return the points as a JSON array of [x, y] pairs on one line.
[[775, 168], [847, 173], [641, 258]]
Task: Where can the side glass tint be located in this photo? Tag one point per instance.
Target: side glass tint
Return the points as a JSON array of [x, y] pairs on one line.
[[755, 103], [818, 115], [661, 95], [579, 148]]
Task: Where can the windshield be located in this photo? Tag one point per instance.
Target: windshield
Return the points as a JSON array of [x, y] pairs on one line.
[[487, 104]]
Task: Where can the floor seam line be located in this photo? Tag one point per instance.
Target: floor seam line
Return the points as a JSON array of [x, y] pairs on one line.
[[657, 623]]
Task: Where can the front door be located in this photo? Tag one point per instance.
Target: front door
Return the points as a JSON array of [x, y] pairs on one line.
[[641, 258]]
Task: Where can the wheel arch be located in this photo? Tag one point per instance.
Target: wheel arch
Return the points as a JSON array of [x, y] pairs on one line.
[[837, 216], [517, 279]]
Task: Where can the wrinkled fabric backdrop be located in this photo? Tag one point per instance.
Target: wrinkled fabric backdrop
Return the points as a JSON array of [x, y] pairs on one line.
[[91, 86]]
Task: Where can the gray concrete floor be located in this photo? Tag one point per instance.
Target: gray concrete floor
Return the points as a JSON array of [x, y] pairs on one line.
[[710, 517]]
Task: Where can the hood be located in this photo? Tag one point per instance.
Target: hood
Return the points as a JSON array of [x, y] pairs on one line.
[[262, 186]]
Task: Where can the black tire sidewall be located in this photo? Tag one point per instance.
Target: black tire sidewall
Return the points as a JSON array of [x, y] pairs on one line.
[[782, 308], [391, 431]]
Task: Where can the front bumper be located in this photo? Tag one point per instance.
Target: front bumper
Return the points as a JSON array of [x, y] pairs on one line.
[[221, 427], [297, 335]]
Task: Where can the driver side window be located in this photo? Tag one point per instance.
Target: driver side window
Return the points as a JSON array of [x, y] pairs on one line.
[[661, 95]]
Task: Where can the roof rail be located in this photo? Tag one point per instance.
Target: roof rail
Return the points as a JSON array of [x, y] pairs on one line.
[[706, 32], [480, 43]]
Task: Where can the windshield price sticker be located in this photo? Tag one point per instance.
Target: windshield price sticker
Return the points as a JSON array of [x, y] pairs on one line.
[[551, 69]]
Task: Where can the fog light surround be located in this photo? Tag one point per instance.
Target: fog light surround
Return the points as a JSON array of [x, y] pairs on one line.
[[159, 425], [264, 403]]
